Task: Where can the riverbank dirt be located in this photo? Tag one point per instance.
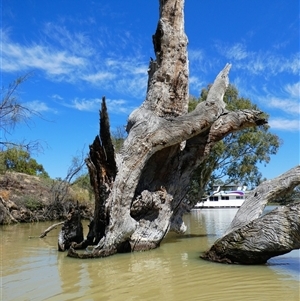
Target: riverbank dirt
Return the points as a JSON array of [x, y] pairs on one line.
[[25, 198]]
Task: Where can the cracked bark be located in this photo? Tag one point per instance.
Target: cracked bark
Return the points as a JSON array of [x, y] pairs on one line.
[[141, 198], [253, 238]]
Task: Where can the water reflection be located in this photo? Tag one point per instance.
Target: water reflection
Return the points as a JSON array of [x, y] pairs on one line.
[[34, 270], [213, 221], [287, 265]]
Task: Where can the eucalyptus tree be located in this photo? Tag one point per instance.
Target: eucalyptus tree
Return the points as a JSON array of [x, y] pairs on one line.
[[236, 157], [19, 160]]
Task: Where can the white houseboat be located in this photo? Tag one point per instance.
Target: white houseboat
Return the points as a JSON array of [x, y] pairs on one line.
[[232, 198]]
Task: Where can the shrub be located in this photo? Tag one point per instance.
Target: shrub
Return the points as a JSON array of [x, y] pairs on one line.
[[31, 203]]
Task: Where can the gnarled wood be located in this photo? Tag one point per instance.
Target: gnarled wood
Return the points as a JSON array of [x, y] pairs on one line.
[[266, 192], [252, 238], [71, 231], [142, 199], [102, 170], [167, 93]]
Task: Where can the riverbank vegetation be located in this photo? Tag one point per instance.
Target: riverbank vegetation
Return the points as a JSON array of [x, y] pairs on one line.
[[27, 198]]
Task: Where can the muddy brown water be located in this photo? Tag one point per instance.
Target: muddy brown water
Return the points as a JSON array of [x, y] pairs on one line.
[[32, 269]]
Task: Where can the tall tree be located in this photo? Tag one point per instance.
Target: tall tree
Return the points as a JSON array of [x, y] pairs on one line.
[[19, 160], [12, 113], [236, 157], [139, 193]]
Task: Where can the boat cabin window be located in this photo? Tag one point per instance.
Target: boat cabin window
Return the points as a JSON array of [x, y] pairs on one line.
[[213, 198], [224, 197], [239, 197]]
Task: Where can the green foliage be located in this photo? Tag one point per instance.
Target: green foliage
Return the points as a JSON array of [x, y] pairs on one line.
[[193, 101], [19, 160], [235, 158], [33, 203], [83, 182], [118, 138]]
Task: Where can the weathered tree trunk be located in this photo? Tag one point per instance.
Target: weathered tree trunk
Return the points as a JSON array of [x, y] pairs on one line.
[[252, 238], [139, 197]]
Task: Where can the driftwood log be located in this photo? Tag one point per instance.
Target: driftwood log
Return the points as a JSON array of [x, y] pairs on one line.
[[54, 226], [140, 192], [253, 238]]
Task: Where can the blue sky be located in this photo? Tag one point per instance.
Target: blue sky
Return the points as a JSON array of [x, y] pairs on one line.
[[78, 51]]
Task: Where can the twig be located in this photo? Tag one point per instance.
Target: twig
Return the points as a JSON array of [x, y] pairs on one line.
[[43, 234]]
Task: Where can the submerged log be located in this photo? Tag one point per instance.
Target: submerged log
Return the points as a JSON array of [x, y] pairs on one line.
[[54, 226], [140, 191], [253, 238]]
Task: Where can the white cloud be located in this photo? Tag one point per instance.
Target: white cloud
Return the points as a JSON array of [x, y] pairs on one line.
[[57, 97], [37, 106], [90, 105], [287, 100], [136, 86], [234, 52], [16, 57], [284, 124], [124, 75], [114, 106], [283, 106], [286, 105], [293, 90], [199, 62], [119, 106], [197, 56], [77, 43], [71, 60], [98, 77], [196, 85], [266, 63]]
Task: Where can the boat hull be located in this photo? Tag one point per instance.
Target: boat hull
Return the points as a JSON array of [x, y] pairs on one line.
[[223, 199], [220, 204]]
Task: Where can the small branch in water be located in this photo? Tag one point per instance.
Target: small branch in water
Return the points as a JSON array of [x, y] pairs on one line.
[[43, 234]]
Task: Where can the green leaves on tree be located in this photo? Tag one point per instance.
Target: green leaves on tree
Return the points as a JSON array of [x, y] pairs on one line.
[[236, 157], [19, 160]]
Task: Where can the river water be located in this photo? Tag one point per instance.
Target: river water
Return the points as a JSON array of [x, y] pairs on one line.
[[32, 269]]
